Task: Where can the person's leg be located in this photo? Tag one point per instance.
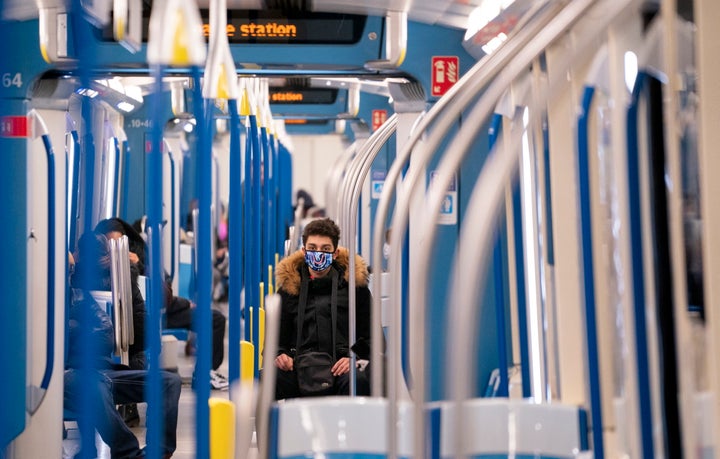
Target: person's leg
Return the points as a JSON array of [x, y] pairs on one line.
[[362, 383], [129, 386], [286, 385], [342, 384], [179, 313], [218, 339], [107, 420], [171, 386]]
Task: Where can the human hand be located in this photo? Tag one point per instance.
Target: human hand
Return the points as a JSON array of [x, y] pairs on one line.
[[284, 362], [341, 367], [133, 257]]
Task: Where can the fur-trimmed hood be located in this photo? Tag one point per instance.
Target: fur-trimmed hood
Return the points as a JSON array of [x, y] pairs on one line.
[[288, 274]]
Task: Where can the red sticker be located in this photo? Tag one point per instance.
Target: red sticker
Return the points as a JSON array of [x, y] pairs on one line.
[[445, 73], [14, 126]]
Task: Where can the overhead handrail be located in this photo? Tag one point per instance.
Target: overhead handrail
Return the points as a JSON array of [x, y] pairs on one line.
[[52, 28], [37, 394], [395, 42], [351, 192], [127, 24], [478, 227]]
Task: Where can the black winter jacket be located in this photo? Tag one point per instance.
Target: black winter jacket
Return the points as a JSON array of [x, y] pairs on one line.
[[317, 323]]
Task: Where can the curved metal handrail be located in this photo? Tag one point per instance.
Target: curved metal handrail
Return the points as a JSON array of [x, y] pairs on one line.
[[353, 187], [477, 228], [335, 176], [469, 85]]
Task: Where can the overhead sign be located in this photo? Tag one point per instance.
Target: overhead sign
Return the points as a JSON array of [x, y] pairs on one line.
[[290, 96], [276, 27], [445, 73], [378, 118], [14, 126]]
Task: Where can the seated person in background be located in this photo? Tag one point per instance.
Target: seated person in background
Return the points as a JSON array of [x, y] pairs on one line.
[[306, 277], [112, 383], [178, 310]]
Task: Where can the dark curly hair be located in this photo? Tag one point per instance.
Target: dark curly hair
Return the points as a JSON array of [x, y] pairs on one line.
[[322, 227]]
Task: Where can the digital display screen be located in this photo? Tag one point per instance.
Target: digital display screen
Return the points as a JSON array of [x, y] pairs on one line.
[[268, 27], [289, 96]]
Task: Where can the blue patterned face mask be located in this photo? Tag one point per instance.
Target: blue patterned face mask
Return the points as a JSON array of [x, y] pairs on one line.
[[317, 260]]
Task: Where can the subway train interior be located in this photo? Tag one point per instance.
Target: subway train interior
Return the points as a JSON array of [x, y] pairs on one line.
[[529, 181]]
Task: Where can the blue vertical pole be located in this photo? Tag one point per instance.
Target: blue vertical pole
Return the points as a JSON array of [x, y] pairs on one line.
[[249, 216], [154, 270], [85, 54], [275, 177], [204, 281], [235, 241], [257, 238], [267, 207]]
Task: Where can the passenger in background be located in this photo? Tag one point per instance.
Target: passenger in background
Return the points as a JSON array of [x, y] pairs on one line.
[[304, 199], [178, 310], [112, 383], [312, 278]]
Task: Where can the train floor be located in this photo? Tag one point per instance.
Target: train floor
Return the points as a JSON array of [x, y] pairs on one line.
[[186, 415]]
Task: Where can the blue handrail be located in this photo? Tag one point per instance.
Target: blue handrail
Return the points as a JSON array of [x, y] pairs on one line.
[[74, 192], [249, 219], [638, 269], [235, 241], [589, 272], [173, 217], [50, 344], [116, 177], [267, 205], [498, 276], [257, 238], [204, 237], [154, 269]]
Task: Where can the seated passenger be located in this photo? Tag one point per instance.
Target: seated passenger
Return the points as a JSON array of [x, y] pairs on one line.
[[112, 383], [306, 280], [178, 311]]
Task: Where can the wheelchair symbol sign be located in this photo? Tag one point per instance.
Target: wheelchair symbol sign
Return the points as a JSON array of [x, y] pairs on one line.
[[447, 206], [376, 189], [448, 211]]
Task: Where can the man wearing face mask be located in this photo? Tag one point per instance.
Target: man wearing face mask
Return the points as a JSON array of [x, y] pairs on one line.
[[312, 279]]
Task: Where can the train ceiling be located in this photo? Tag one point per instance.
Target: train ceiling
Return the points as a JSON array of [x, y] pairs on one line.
[[448, 13]]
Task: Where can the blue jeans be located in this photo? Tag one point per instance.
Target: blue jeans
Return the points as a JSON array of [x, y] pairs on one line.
[[118, 387]]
